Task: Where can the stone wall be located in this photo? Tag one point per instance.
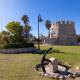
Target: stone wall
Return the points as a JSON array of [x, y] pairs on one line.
[[67, 34], [51, 41], [17, 50], [64, 32]]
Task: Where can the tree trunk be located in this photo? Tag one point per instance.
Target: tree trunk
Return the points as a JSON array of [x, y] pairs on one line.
[[49, 33]]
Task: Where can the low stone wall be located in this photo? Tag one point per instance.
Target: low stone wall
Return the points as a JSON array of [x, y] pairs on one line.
[[51, 41], [17, 50]]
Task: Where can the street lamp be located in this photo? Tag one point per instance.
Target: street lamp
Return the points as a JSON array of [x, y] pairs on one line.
[[39, 20]]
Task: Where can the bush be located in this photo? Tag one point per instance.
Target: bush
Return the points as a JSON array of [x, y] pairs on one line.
[[19, 45]]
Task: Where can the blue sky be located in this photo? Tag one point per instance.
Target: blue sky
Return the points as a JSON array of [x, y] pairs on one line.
[[54, 10]]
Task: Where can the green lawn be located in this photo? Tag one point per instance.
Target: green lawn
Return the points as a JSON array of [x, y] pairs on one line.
[[21, 66]]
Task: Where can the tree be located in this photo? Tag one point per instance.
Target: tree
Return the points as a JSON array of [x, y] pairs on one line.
[[48, 25], [5, 38], [27, 27], [16, 30], [25, 19], [78, 38], [26, 31]]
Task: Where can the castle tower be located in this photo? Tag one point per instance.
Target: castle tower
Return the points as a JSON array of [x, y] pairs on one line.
[[64, 32]]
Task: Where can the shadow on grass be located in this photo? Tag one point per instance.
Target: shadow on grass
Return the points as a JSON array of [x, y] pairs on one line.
[[36, 51], [57, 51], [43, 51]]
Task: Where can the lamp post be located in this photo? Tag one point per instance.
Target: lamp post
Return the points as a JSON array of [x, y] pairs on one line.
[[39, 20]]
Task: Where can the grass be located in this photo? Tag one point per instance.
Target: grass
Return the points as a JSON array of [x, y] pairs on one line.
[[21, 66]]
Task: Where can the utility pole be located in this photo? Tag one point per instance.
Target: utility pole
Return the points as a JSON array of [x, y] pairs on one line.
[[1, 36], [1, 25]]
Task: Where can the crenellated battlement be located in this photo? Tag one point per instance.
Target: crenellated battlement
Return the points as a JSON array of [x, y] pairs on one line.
[[64, 23], [63, 32]]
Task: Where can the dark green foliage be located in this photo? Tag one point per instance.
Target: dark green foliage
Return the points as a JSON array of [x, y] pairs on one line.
[[78, 40], [48, 25], [27, 27], [16, 34], [5, 38], [16, 30], [25, 19], [19, 45]]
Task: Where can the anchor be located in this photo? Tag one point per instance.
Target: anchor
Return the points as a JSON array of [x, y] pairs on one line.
[[55, 68]]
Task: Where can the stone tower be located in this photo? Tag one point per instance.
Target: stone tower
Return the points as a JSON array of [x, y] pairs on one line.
[[63, 32]]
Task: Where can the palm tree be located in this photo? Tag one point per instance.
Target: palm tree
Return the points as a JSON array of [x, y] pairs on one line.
[[27, 27], [25, 19], [48, 25]]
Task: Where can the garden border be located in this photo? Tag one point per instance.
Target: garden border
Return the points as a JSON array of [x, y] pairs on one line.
[[17, 50]]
